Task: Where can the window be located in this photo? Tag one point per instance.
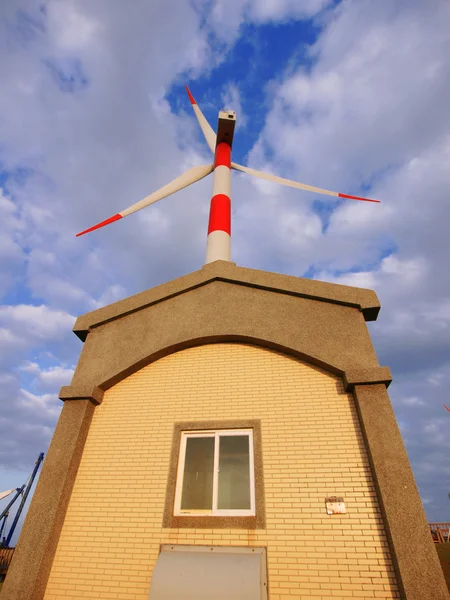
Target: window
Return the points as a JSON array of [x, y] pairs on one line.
[[215, 474], [211, 476]]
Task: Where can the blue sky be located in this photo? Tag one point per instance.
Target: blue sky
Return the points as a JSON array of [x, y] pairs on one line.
[[257, 60], [348, 95]]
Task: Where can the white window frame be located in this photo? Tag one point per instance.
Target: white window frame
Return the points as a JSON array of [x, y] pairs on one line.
[[214, 512]]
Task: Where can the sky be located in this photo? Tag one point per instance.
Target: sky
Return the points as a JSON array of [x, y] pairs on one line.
[[350, 95]]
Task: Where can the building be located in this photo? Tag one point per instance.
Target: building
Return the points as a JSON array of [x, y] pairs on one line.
[[229, 435]]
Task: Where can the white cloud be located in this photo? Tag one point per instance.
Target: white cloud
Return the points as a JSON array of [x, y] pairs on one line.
[[28, 392], [73, 29], [231, 99], [413, 401], [45, 403], [12, 256], [225, 17], [281, 10], [52, 377], [351, 116], [86, 130], [35, 322]]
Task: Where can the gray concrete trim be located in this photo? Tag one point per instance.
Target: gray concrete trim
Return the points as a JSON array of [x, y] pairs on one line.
[[367, 376], [79, 391], [332, 336], [68, 393], [364, 300], [419, 574]]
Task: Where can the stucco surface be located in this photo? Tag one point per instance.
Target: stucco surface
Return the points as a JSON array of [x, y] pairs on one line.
[[364, 300], [416, 561], [327, 334]]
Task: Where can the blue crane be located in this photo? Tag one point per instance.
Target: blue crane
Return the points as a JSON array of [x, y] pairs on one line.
[[5, 512], [24, 491]]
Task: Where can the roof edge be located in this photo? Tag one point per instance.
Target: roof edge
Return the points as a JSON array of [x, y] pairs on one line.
[[362, 299]]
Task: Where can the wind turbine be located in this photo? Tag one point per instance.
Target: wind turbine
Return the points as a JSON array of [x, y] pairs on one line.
[[220, 144]]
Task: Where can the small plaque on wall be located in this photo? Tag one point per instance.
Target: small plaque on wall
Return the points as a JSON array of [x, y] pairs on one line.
[[335, 505]]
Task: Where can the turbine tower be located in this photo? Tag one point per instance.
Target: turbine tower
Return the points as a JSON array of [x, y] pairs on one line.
[[219, 227]]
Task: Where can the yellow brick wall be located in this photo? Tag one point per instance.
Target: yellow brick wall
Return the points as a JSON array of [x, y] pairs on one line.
[[312, 448]]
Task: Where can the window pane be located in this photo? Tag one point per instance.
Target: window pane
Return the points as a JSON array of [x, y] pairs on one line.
[[234, 472], [198, 474]]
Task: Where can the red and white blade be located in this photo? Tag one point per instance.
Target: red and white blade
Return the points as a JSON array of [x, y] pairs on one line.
[[187, 178], [206, 128], [296, 184]]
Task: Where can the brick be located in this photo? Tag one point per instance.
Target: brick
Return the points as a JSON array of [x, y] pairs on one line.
[[112, 532]]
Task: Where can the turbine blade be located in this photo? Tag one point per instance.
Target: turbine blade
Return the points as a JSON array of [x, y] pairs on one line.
[[295, 184], [6, 493], [189, 177], [446, 407], [208, 131]]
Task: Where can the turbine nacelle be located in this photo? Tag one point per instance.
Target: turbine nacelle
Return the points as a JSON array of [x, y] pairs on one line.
[[225, 127]]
